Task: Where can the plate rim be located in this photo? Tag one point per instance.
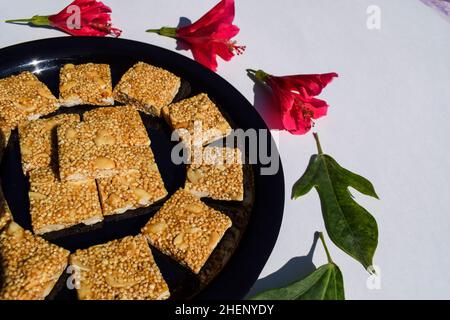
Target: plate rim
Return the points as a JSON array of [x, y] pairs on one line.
[[220, 287]]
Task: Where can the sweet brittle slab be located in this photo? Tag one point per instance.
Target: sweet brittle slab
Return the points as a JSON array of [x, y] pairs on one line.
[[123, 123], [30, 265], [85, 84], [122, 269], [92, 150], [56, 205], [217, 175], [134, 189], [186, 229], [198, 120], [29, 98], [37, 141], [148, 87]]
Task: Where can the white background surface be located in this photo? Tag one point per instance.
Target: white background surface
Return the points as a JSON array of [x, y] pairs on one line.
[[388, 120]]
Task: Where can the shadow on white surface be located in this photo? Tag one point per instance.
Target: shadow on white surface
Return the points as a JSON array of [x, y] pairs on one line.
[[265, 105], [183, 22], [295, 269]]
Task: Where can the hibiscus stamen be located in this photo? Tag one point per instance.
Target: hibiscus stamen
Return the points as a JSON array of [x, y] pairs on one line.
[[235, 48], [107, 28]]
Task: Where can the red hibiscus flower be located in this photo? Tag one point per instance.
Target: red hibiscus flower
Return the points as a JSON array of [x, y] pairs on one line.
[[80, 18], [295, 96], [210, 36]]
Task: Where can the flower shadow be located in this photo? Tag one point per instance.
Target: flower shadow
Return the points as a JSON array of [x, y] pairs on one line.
[[182, 45], [295, 269], [265, 105]]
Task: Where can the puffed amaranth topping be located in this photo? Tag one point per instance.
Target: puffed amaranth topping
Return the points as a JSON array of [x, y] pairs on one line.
[[217, 175], [148, 87], [5, 133], [122, 269], [186, 229], [30, 98], [122, 122], [93, 150], [134, 189], [56, 205], [37, 141], [197, 120], [5, 213], [85, 84], [30, 265]]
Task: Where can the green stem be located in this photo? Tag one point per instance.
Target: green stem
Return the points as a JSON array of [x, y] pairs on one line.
[[18, 20], [35, 20], [164, 31], [325, 247], [259, 75], [319, 147]]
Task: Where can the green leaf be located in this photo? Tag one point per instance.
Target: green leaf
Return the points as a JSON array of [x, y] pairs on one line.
[[325, 283], [351, 227]]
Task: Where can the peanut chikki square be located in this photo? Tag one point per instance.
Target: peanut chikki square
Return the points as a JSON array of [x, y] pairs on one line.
[[11, 117], [134, 189], [37, 141], [197, 120], [78, 164], [85, 84], [30, 265], [186, 229], [29, 98], [96, 150], [56, 205], [217, 175], [122, 122], [122, 269], [148, 87]]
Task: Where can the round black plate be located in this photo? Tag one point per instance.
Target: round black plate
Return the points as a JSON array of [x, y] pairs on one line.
[[238, 260]]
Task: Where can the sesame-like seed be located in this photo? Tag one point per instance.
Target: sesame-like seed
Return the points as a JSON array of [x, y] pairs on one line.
[[56, 205], [197, 111], [36, 141], [30, 265], [85, 84], [186, 229], [148, 87], [133, 189], [119, 269], [22, 98], [219, 175], [5, 213], [122, 123], [101, 147]]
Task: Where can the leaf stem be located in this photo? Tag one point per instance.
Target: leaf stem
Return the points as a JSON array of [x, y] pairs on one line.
[[164, 31], [325, 247], [319, 147], [35, 20], [18, 20]]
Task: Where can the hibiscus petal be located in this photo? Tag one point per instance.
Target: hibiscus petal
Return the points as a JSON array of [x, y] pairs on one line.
[[95, 19], [294, 121], [312, 84], [223, 12], [318, 108], [223, 50], [205, 56], [225, 31]]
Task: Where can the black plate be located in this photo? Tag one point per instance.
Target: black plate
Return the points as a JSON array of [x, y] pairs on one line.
[[238, 260]]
